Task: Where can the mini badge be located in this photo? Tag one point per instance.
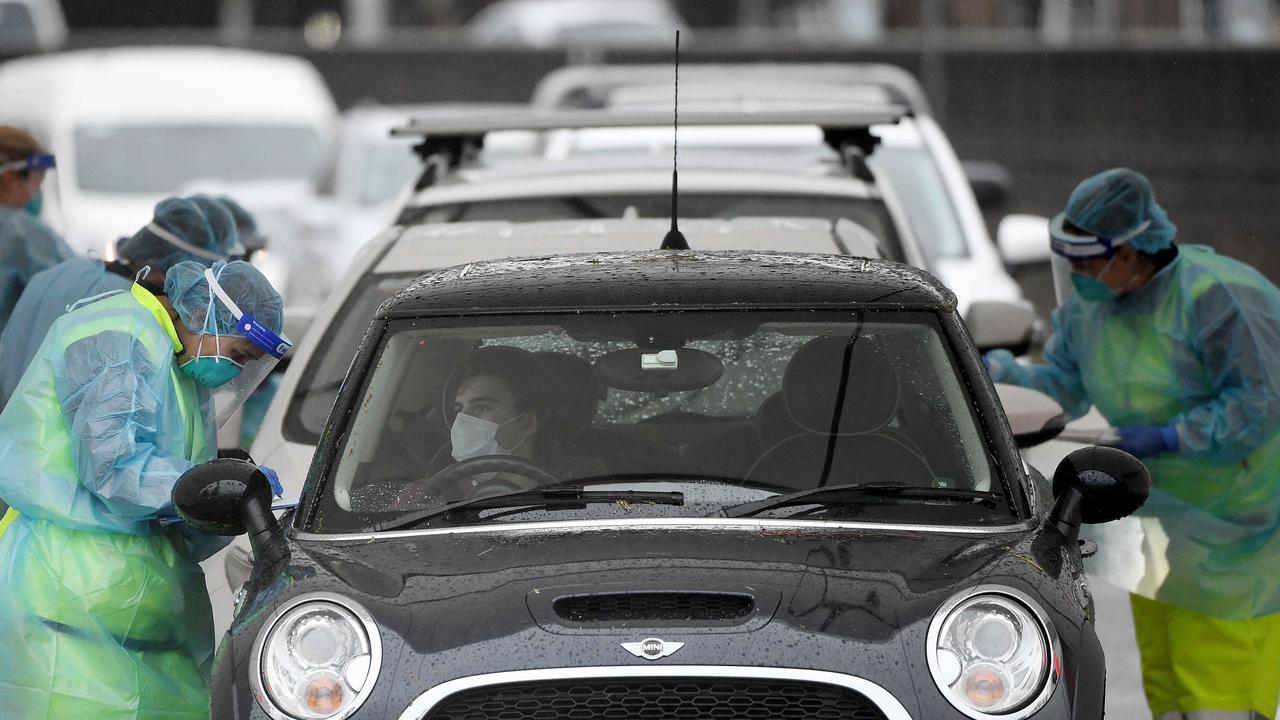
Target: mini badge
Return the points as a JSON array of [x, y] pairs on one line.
[[652, 648]]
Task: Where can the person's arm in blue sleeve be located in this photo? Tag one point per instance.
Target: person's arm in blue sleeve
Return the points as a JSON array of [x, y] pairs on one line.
[[44, 248], [1059, 377], [112, 394], [1238, 343]]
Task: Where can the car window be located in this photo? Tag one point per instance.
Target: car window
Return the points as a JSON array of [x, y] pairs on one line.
[[163, 157], [388, 168], [924, 195], [723, 407], [16, 24], [313, 398], [870, 214]]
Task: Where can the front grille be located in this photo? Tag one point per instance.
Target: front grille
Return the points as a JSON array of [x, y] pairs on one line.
[[614, 607], [658, 698]]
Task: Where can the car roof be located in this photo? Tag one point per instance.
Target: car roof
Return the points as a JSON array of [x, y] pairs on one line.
[[590, 85], [425, 247], [664, 279]]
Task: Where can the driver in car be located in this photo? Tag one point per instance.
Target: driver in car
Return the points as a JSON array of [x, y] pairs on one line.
[[502, 401]]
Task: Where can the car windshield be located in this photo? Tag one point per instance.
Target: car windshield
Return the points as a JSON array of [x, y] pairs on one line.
[[869, 213], [388, 168], [924, 195], [696, 412], [165, 158]]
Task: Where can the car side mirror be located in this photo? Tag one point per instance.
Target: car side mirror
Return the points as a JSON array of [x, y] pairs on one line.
[[1034, 416], [989, 180], [1023, 239], [229, 496], [1096, 484], [1002, 324]]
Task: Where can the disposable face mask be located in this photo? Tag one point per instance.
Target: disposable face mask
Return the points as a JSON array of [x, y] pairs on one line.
[[1091, 288], [471, 437], [35, 205], [211, 371]]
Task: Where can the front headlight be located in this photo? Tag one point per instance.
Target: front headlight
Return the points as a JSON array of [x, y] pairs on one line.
[[993, 654], [317, 658]]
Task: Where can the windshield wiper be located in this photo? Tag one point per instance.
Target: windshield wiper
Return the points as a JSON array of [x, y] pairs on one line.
[[559, 497], [854, 492]]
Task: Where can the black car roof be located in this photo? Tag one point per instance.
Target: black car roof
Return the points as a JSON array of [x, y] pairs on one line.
[[658, 278]]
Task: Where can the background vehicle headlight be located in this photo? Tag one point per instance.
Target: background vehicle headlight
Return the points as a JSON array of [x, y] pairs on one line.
[[992, 653], [316, 659]]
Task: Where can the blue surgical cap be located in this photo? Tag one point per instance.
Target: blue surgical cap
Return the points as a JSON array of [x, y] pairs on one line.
[[196, 228], [188, 290], [1113, 204], [246, 225]]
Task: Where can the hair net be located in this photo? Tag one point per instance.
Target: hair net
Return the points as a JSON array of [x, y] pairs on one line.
[[1114, 202], [201, 223], [189, 292], [246, 225]]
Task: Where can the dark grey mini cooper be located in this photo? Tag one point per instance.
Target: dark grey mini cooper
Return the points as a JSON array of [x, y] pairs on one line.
[[671, 484]]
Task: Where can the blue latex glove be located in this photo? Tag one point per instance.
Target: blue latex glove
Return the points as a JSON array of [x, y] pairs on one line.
[[276, 488], [1147, 440]]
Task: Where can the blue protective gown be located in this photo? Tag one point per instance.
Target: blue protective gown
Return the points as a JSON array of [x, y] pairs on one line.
[[1198, 346], [27, 246], [103, 611], [46, 298]]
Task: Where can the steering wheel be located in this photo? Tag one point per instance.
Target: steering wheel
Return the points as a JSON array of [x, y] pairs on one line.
[[453, 478]]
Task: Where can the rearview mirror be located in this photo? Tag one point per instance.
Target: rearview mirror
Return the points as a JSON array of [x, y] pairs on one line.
[[1034, 416], [1023, 239], [1002, 324], [1096, 485]]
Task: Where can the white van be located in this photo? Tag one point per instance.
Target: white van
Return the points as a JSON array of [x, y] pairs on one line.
[[131, 126]]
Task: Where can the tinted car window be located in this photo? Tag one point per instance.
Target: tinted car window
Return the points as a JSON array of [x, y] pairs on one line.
[[722, 407], [870, 214]]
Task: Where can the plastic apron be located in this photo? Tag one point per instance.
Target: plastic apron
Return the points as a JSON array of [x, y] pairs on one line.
[[101, 623], [1207, 538]]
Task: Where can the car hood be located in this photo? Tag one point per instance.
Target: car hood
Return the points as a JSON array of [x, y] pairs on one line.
[[854, 600], [882, 579]]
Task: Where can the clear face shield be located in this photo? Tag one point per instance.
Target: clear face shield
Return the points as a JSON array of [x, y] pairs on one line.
[[236, 364], [38, 164], [1070, 245]]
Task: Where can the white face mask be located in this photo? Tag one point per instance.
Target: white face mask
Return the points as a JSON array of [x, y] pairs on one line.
[[471, 437]]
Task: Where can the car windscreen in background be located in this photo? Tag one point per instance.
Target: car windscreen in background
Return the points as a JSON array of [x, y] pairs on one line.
[[923, 194], [313, 398], [118, 158], [868, 213]]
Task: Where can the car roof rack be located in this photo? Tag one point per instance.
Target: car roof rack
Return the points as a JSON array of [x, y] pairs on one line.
[[450, 140]]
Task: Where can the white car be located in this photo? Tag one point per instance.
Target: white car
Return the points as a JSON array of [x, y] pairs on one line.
[[915, 154], [131, 126]]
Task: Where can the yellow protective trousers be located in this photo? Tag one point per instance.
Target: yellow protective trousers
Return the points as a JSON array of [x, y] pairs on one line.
[[1193, 662]]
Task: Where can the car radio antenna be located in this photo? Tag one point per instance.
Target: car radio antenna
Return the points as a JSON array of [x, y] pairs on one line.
[[674, 239]]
